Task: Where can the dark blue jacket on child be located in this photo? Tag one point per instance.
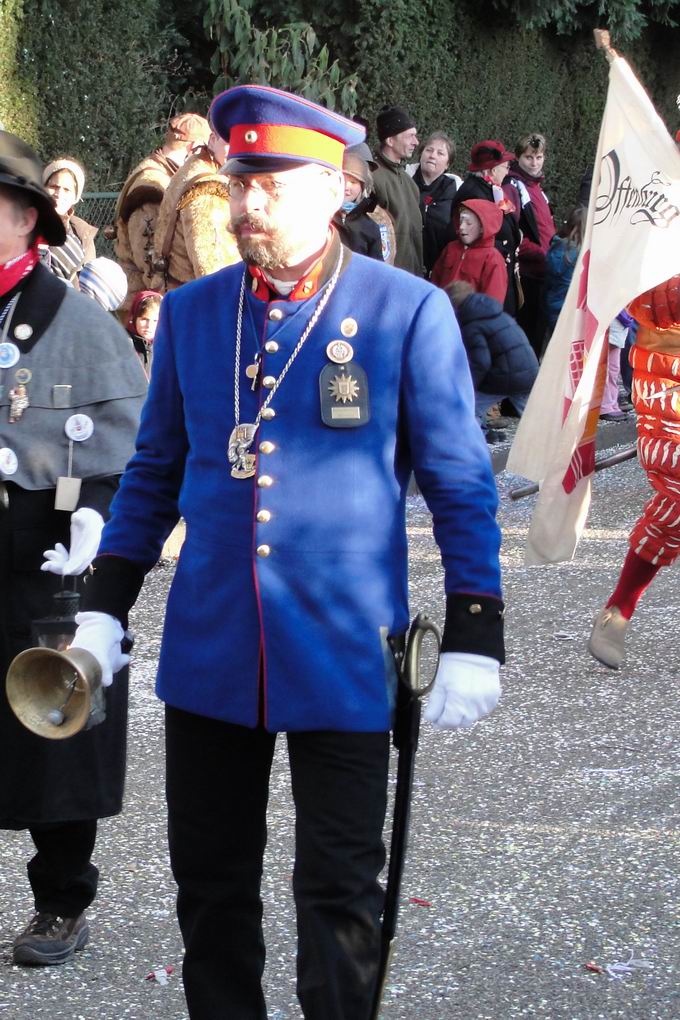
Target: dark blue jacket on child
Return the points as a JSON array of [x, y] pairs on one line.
[[500, 355]]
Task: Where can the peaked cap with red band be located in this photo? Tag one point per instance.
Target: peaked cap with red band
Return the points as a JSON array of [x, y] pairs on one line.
[[268, 129]]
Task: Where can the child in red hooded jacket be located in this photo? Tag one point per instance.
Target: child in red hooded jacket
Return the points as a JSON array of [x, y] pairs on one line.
[[474, 256]]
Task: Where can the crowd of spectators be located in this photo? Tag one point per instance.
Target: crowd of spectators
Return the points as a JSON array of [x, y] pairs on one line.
[[491, 228]]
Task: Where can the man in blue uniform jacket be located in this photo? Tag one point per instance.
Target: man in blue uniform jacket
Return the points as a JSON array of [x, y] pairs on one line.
[[291, 397]]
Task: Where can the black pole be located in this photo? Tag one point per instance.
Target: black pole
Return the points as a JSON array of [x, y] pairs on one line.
[[606, 462]]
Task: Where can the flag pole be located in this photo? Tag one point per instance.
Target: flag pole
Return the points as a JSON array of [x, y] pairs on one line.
[[603, 42]]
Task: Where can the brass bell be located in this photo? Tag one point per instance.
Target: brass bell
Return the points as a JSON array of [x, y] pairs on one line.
[[55, 694]]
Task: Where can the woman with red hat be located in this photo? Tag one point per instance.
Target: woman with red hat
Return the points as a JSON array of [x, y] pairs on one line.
[[488, 168]]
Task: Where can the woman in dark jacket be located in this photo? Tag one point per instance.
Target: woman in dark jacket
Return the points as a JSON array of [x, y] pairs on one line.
[[489, 162], [538, 229], [437, 190]]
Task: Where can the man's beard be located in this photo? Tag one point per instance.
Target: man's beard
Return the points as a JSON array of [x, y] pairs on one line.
[[269, 252]]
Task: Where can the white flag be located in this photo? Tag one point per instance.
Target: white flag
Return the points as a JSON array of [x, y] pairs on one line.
[[631, 244]]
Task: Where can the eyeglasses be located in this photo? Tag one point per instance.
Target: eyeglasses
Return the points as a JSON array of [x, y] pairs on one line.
[[238, 186]]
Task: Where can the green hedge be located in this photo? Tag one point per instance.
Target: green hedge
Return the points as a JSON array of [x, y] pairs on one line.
[[478, 77], [18, 101], [98, 87], [98, 81]]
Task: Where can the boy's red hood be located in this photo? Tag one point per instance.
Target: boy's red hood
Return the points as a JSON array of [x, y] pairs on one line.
[[489, 215]]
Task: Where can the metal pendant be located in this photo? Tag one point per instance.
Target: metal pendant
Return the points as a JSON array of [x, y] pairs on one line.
[[18, 402], [242, 462]]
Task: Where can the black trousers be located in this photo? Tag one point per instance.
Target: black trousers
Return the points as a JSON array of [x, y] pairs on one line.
[[531, 316], [62, 876], [217, 790]]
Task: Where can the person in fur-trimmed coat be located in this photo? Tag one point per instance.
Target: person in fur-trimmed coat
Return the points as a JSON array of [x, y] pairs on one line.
[[139, 201], [192, 236]]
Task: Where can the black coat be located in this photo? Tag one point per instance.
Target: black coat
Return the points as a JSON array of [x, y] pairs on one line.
[[507, 238], [359, 232], [436, 201], [51, 780], [80, 777], [500, 355]]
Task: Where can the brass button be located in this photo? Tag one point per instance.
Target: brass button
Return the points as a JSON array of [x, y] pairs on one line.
[[265, 481], [268, 413], [475, 608], [263, 550], [275, 314], [264, 516], [267, 447], [271, 347], [269, 381]]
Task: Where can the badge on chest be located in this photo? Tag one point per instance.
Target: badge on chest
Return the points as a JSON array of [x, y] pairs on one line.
[[343, 388]]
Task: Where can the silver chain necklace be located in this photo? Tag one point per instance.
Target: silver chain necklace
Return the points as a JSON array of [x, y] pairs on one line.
[[242, 435]]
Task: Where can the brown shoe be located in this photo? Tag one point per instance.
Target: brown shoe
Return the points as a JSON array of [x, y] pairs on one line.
[[49, 939], [608, 636]]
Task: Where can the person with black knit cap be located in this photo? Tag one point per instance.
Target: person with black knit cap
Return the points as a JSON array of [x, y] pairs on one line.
[[395, 190]]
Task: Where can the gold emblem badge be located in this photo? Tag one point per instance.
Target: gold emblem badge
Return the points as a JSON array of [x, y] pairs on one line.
[[343, 388], [339, 352], [344, 396], [348, 327]]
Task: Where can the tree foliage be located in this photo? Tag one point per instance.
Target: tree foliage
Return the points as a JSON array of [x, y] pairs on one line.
[[98, 81], [626, 19], [18, 99], [288, 56]]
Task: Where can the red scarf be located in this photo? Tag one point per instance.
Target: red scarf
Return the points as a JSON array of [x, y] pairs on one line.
[[13, 272]]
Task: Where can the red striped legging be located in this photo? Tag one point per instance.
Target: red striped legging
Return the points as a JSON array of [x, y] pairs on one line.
[[656, 534]]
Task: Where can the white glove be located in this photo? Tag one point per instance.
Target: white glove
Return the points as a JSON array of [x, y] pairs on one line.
[[86, 531], [101, 635], [466, 688]]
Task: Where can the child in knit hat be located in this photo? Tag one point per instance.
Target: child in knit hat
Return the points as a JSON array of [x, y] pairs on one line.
[[105, 281]]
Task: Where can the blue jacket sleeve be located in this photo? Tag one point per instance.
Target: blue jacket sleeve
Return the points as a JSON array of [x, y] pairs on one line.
[[144, 510], [448, 452]]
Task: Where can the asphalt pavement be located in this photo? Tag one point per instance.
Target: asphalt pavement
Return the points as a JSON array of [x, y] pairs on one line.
[[543, 872]]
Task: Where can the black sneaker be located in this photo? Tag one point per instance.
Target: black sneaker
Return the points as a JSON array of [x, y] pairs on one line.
[[494, 436], [50, 939], [500, 423], [508, 409], [614, 416]]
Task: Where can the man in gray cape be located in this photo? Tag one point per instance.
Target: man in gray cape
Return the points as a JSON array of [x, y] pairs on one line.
[[71, 390]]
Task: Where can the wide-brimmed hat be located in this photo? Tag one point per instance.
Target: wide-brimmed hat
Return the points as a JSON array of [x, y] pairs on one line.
[[356, 167], [486, 155], [20, 168], [363, 151]]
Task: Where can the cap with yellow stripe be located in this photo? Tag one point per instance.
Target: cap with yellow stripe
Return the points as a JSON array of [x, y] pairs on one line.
[[268, 130]]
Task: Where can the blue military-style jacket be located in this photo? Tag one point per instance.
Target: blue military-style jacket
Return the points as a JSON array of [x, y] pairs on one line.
[[288, 582]]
